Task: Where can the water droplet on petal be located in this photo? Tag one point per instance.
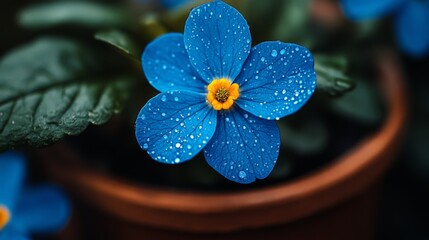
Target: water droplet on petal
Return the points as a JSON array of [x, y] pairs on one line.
[[242, 174], [274, 53]]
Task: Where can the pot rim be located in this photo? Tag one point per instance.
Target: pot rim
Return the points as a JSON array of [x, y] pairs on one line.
[[301, 197]]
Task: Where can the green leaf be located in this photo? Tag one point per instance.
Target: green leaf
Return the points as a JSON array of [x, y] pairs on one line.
[[292, 24], [53, 87], [286, 21], [77, 13], [306, 136], [151, 26], [331, 77], [364, 104], [121, 41]]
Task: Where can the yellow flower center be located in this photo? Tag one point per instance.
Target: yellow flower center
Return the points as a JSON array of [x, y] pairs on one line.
[[221, 93], [4, 216]]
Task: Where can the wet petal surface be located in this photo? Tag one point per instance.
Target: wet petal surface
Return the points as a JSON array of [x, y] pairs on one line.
[[167, 67], [217, 39], [277, 79], [174, 126], [244, 147]]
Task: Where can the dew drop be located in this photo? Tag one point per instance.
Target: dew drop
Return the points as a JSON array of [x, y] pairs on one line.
[[164, 98], [178, 145], [274, 53], [242, 174]]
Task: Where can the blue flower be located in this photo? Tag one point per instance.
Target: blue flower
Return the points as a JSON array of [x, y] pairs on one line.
[[36, 210], [220, 95], [171, 4], [411, 20]]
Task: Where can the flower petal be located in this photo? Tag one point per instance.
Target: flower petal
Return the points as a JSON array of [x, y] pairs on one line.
[[174, 126], [171, 4], [243, 147], [167, 67], [369, 9], [11, 234], [218, 40], [12, 174], [277, 79], [42, 209], [412, 31]]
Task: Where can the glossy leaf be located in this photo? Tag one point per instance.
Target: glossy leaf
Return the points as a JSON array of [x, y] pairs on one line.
[[306, 136], [78, 13], [287, 21], [51, 88], [331, 77], [121, 41], [364, 104]]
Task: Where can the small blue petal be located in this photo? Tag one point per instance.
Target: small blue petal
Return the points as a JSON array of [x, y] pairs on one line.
[[12, 173], [218, 40], [42, 209], [243, 147], [11, 234], [174, 3], [370, 9], [174, 126], [277, 79], [166, 65], [412, 31]]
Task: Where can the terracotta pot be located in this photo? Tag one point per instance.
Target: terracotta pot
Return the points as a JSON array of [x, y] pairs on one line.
[[336, 202]]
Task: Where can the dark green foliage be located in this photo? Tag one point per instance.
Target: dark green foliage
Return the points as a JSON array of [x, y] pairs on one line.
[[53, 87]]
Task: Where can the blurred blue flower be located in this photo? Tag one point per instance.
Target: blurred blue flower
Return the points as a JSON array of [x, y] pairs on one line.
[[169, 4], [411, 20], [220, 95], [36, 210], [173, 3]]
